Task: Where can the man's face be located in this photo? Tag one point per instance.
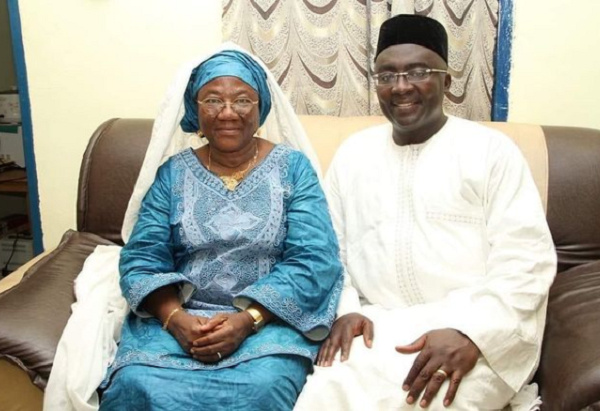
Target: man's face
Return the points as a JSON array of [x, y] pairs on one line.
[[415, 109]]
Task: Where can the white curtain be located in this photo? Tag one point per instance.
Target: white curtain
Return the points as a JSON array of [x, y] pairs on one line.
[[321, 51]]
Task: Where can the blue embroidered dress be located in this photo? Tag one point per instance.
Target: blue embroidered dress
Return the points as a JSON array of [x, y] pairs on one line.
[[270, 240]]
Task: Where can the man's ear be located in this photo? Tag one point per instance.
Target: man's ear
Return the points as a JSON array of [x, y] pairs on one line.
[[447, 81]]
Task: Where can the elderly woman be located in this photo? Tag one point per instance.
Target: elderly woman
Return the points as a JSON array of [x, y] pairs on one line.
[[231, 270]]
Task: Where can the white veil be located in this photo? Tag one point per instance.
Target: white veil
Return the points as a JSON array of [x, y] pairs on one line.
[[281, 126], [89, 342]]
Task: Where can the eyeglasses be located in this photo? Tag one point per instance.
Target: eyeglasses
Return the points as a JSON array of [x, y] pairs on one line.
[[214, 106], [416, 75]]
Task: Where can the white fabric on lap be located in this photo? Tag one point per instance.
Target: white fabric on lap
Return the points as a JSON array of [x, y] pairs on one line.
[[371, 379], [88, 343]]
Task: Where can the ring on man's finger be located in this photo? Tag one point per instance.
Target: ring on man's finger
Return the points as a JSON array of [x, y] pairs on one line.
[[219, 355], [442, 372]]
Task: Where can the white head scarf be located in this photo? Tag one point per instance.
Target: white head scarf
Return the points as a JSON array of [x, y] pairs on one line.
[[282, 126]]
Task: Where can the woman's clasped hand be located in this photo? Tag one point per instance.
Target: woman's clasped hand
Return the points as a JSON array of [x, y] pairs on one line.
[[221, 334]]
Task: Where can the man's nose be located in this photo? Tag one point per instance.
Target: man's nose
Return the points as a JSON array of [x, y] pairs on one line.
[[402, 84]]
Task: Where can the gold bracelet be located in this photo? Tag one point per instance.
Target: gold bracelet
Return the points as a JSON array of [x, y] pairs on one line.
[[166, 323]]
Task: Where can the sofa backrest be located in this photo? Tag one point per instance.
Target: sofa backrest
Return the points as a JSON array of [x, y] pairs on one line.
[[109, 170], [327, 133], [574, 193], [565, 163]]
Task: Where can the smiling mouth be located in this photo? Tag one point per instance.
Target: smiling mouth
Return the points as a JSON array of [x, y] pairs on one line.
[[404, 105]]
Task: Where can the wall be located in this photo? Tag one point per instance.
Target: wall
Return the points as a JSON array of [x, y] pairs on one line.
[[90, 60], [555, 63], [7, 69]]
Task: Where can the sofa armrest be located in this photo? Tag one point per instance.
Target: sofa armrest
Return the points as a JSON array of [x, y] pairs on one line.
[[16, 276], [34, 313], [569, 371]]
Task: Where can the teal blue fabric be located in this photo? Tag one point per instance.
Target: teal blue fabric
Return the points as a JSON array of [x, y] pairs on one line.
[[226, 63], [270, 240], [246, 386]]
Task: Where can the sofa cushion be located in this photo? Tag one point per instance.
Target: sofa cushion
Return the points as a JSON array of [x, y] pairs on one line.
[[35, 312], [568, 372]]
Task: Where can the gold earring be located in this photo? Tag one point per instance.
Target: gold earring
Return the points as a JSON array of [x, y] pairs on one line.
[[200, 134]]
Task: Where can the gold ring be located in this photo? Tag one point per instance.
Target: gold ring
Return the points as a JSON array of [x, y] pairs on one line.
[[442, 372], [219, 354]]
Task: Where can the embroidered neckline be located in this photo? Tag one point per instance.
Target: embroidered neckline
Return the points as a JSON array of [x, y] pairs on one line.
[[255, 175], [419, 147]]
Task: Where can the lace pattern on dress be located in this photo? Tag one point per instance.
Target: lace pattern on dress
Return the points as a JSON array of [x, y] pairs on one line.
[[223, 242], [167, 360], [140, 289], [230, 238], [289, 311]]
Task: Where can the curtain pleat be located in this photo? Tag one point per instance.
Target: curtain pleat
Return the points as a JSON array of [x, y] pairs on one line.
[[321, 51]]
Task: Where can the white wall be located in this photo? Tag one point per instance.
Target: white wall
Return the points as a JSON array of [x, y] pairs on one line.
[[555, 77], [90, 60]]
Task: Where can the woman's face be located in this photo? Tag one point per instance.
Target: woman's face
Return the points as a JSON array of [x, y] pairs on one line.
[[227, 130]]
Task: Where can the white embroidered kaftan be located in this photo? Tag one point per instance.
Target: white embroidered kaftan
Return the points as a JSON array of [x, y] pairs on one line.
[[446, 234]]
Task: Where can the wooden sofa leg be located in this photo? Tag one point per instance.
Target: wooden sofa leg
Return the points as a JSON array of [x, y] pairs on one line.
[[17, 392]]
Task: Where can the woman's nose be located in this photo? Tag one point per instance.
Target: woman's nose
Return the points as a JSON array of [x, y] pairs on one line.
[[227, 110]]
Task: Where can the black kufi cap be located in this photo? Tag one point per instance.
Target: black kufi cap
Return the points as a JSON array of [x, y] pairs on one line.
[[414, 29]]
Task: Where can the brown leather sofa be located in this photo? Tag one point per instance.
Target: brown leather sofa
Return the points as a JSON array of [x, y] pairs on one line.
[[566, 165]]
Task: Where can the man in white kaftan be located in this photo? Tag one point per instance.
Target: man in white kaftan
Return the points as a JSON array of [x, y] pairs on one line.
[[445, 244]]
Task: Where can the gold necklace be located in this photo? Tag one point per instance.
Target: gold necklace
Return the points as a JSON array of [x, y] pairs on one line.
[[232, 181]]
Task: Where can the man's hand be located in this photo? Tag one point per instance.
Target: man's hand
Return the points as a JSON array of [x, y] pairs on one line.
[[222, 335], [342, 333], [447, 350]]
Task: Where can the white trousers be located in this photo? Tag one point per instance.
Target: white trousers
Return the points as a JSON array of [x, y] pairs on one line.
[[371, 379]]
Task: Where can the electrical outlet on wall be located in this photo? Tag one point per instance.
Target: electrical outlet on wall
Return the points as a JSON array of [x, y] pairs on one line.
[[10, 110]]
